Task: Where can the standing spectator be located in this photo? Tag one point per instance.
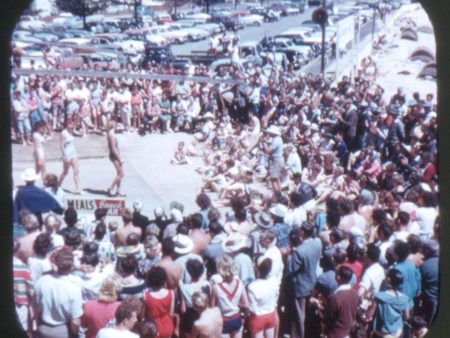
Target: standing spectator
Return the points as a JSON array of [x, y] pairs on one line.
[[429, 271], [390, 308], [23, 290], [210, 322], [411, 283], [21, 112], [274, 151], [126, 317], [131, 285], [173, 270], [342, 306], [97, 313], [235, 246], [58, 300], [263, 296], [128, 228], [230, 296], [160, 302], [303, 271], [281, 229], [214, 249], [26, 243], [39, 264], [183, 250]]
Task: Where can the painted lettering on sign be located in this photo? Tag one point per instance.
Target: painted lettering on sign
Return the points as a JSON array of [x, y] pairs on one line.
[[113, 207]]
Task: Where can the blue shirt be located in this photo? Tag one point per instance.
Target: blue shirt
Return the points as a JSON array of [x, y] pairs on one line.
[[390, 308], [277, 144], [282, 231], [411, 280]]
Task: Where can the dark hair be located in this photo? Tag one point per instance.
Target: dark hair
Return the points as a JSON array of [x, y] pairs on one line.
[[401, 250], [344, 273], [339, 256], [213, 214], [128, 264], [70, 216], [43, 244], [133, 239], [296, 198], [167, 246], [395, 277], [90, 259], [195, 268], [336, 235], [215, 228], [353, 252], [295, 237], [100, 213], [63, 259], [147, 328], [428, 199], [264, 268], [196, 221], [333, 218], [72, 238], [331, 204], [385, 230], [183, 229], [307, 228], [403, 218], [156, 278], [346, 206], [373, 252], [241, 215], [203, 201], [124, 311], [100, 231], [414, 243], [90, 248], [237, 203], [379, 216]]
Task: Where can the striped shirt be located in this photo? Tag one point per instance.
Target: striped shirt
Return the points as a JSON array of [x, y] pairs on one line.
[[23, 285]]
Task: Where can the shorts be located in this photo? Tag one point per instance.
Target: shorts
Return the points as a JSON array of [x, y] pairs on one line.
[[275, 167], [232, 324], [261, 323]]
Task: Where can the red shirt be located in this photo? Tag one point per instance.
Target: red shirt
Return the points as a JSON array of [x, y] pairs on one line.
[[357, 269], [96, 315]]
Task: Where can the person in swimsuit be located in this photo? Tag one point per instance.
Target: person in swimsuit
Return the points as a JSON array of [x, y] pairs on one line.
[[70, 158], [39, 156], [114, 156]]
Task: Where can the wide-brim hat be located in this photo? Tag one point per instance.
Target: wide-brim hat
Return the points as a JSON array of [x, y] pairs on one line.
[[29, 175], [208, 115], [234, 243], [274, 130], [279, 210], [183, 244], [263, 220]]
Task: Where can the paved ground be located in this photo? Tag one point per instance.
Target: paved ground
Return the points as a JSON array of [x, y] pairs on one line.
[[148, 174]]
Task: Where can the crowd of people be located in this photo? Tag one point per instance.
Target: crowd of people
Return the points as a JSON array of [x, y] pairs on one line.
[[318, 214]]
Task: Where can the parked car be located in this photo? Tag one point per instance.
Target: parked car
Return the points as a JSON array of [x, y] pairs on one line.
[[29, 22], [229, 23], [251, 20], [25, 36], [268, 14], [163, 17], [162, 56]]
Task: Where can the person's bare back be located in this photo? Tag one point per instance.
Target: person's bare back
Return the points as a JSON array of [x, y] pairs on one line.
[[173, 271]]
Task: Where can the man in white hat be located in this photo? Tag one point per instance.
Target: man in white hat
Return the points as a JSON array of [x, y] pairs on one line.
[[234, 246], [275, 152], [280, 228], [183, 253]]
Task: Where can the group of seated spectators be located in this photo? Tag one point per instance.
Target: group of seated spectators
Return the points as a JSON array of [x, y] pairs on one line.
[[317, 217]]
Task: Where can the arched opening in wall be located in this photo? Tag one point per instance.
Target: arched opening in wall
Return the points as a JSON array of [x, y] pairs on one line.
[[139, 122]]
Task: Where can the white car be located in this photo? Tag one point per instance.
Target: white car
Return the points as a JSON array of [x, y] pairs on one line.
[[212, 28], [28, 22], [252, 20], [199, 16]]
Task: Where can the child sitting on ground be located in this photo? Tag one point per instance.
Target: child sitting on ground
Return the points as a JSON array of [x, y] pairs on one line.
[[180, 156]]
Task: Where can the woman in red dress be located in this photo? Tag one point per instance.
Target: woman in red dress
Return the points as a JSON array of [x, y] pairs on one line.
[[159, 302]]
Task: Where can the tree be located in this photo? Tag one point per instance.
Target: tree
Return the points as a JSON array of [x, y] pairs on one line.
[[81, 8]]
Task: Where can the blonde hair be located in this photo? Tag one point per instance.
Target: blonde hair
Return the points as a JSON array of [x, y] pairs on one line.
[[226, 267], [110, 289], [51, 226], [200, 300]]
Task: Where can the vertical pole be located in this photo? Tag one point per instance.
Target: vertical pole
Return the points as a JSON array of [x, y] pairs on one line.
[[374, 19], [337, 51], [322, 59]]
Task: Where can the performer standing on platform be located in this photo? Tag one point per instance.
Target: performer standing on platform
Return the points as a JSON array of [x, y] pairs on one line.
[[114, 156], [70, 158]]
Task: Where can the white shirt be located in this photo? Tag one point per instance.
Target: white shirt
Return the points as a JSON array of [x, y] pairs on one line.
[[372, 278], [296, 217], [277, 263], [294, 163], [111, 332], [262, 296], [426, 216]]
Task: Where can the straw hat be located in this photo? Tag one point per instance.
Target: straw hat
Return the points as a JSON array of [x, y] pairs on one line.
[[279, 210], [274, 130], [263, 220], [183, 244], [29, 175], [234, 243]]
